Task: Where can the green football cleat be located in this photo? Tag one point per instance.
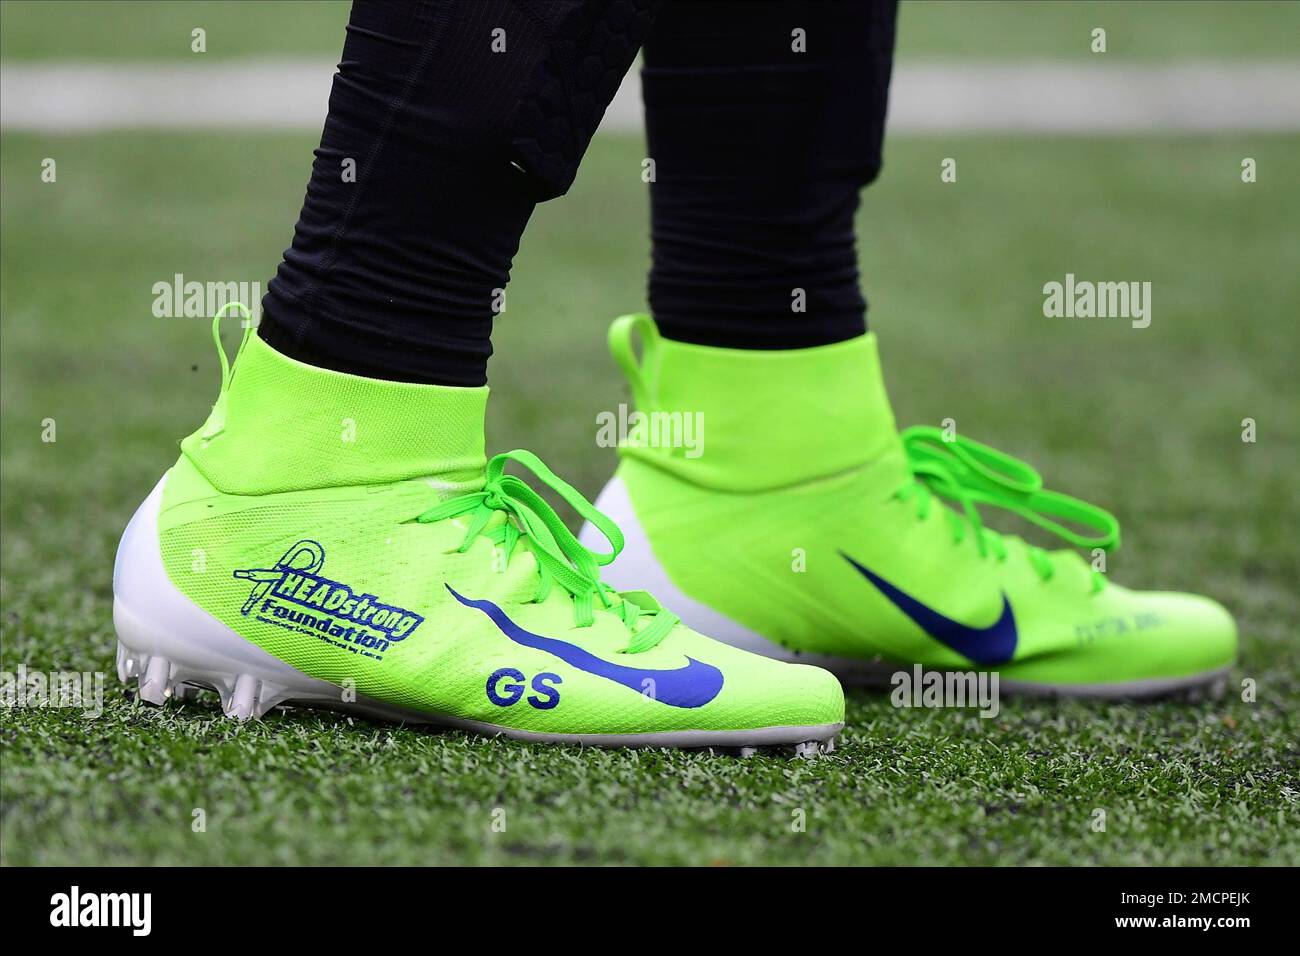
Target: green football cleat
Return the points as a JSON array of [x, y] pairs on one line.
[[797, 522], [337, 541]]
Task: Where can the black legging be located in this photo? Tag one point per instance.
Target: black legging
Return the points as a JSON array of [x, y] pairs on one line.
[[448, 121]]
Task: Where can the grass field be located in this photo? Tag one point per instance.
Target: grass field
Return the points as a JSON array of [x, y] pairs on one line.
[[969, 29], [1146, 422]]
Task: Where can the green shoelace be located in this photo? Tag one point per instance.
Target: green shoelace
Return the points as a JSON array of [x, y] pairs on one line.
[[561, 558], [972, 474]]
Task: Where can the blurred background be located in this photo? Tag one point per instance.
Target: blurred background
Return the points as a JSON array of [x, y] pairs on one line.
[[1123, 165]]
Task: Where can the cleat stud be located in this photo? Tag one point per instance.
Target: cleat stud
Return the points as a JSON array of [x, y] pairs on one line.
[[809, 748], [153, 683], [242, 702]]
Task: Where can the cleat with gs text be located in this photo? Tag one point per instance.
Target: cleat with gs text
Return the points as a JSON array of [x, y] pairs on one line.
[[337, 541]]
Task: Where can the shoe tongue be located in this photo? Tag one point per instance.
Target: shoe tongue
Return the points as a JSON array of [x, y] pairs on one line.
[[749, 420], [282, 425]]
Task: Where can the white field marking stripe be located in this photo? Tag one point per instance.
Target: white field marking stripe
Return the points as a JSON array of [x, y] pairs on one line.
[[1030, 97]]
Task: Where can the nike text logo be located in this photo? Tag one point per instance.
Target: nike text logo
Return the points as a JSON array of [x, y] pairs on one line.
[[691, 686]]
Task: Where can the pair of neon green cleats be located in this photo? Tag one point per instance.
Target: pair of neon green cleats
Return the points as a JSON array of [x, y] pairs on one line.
[[336, 541]]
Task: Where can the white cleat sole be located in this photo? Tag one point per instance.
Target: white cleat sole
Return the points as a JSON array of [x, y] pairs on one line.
[[246, 696]]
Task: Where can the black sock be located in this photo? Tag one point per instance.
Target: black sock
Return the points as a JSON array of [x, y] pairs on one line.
[[454, 140], [760, 152]]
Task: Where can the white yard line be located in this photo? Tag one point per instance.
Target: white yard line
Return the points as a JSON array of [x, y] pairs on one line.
[[1031, 97], [1046, 97]]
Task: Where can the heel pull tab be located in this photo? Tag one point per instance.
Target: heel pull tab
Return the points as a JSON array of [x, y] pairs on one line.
[[621, 348], [216, 422]]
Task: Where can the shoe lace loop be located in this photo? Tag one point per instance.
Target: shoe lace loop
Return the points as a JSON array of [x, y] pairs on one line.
[[561, 559], [971, 474]]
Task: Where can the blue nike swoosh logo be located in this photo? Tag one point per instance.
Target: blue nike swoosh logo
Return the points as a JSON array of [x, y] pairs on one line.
[[990, 646], [691, 686]]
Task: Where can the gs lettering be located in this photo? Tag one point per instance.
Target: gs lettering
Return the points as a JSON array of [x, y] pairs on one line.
[[505, 688]]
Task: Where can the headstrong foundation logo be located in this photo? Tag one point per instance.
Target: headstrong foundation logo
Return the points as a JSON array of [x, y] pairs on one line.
[[293, 594]]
